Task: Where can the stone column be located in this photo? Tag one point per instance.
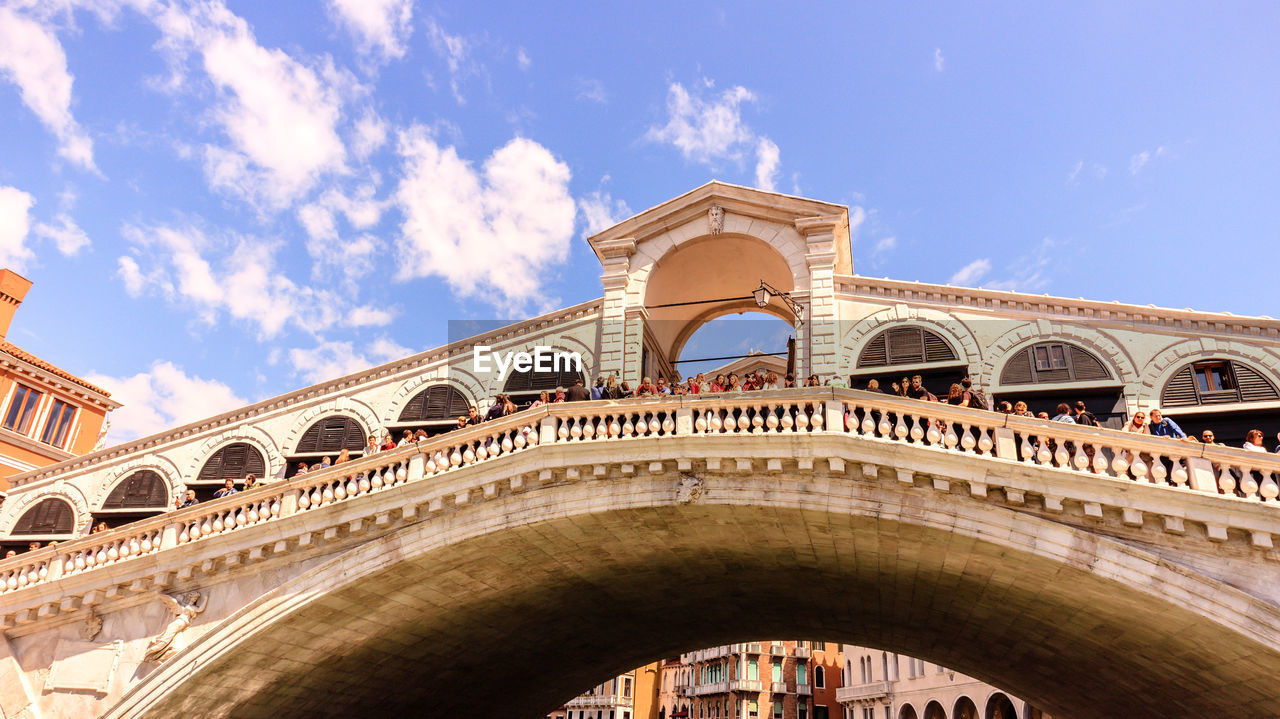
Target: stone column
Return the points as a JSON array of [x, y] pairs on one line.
[[615, 256], [822, 237], [633, 344]]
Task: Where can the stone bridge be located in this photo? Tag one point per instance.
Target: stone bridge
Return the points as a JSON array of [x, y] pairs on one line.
[[500, 569]]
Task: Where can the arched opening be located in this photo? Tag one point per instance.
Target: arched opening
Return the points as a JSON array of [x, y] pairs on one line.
[[327, 437], [1208, 394], [934, 710], [907, 712], [907, 350], [51, 519], [434, 410], [1000, 706], [233, 461], [964, 709], [699, 281], [737, 342], [526, 386], [140, 495], [1047, 374]]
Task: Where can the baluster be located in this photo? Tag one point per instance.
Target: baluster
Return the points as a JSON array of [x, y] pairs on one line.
[[468, 455], [642, 427], [700, 421], [1026, 452], [868, 422], [1120, 461], [819, 416], [398, 476], [757, 420], [1248, 485], [507, 445], [932, 435], [1269, 489], [519, 439], [275, 507], [1060, 456], [985, 445], [771, 418], [743, 420], [1079, 460], [575, 429], [482, 450], [326, 494], [562, 429], [218, 525], [364, 486], [1139, 468], [949, 438], [1227, 482], [339, 491], [113, 553], [668, 424], [628, 427], [900, 429], [589, 428], [242, 518], [1099, 460], [787, 420], [802, 419], [1158, 471], [967, 440]]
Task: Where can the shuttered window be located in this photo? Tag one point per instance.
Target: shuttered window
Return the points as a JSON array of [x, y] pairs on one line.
[[50, 516], [441, 402], [332, 434], [1053, 362], [533, 381], [234, 461], [145, 488], [1217, 381], [906, 345]]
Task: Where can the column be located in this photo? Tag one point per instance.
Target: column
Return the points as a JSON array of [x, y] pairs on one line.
[[615, 256], [823, 237]]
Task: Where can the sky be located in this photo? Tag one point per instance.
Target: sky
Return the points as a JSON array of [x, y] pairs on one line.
[[219, 202]]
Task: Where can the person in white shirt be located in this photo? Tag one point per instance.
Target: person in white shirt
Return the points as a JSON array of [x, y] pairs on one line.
[[1253, 441]]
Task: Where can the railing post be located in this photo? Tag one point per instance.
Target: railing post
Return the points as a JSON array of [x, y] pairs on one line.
[[169, 535], [684, 420], [289, 502], [55, 567], [1200, 475], [834, 415], [417, 467], [547, 430], [1006, 446]]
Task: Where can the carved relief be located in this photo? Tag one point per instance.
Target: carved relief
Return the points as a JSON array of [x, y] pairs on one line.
[[182, 610], [715, 220], [690, 488], [92, 626]]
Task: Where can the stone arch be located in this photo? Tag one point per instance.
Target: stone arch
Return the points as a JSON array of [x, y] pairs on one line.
[[465, 383], [1160, 368], [907, 711], [69, 493], [964, 708], [1104, 347], [344, 405], [934, 710], [1000, 706], [566, 343], [158, 463], [244, 433], [951, 329], [702, 319]]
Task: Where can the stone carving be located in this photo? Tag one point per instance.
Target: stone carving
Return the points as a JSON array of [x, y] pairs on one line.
[[92, 626], [183, 611], [715, 220], [690, 488]]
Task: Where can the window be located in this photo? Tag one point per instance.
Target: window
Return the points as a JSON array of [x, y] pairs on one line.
[[22, 409], [144, 488], [233, 461], [819, 677], [777, 709], [905, 345], [626, 686], [1051, 356], [819, 711], [753, 708], [1213, 376], [777, 670], [802, 710], [50, 516], [58, 427], [753, 670], [1053, 362], [801, 674]]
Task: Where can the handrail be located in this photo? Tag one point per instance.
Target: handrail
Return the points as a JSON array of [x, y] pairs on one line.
[[1209, 469]]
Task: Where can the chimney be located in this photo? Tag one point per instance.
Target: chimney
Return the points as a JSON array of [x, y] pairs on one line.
[[13, 288]]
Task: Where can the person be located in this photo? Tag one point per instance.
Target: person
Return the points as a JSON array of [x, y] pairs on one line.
[[33, 546], [611, 388], [578, 393], [789, 382], [228, 489], [11, 553], [1138, 425], [1207, 437], [1163, 426], [812, 381], [406, 438], [597, 389], [388, 442], [372, 447], [99, 528], [735, 383], [303, 468], [1083, 416], [345, 454], [719, 384], [917, 390], [646, 388], [495, 409], [1278, 440], [473, 416], [420, 435], [691, 386], [1253, 441], [462, 421], [976, 396], [873, 385], [1003, 407], [701, 383], [956, 396], [561, 396], [1042, 415], [1020, 409], [325, 462], [838, 381], [509, 406], [1064, 414], [251, 481], [543, 398], [190, 498], [662, 389]]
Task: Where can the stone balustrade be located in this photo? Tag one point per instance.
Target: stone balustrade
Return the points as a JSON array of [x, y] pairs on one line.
[[863, 692], [1083, 453]]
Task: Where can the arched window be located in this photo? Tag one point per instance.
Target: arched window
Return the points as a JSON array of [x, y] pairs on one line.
[[964, 709], [330, 435], [1216, 381], [233, 461], [819, 676], [439, 402], [1053, 362], [142, 489], [49, 516], [906, 345], [525, 386]]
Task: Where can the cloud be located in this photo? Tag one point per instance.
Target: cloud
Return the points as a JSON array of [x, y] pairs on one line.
[[523, 59], [600, 212], [856, 219], [380, 27], [591, 89], [14, 225], [767, 159], [162, 398], [370, 134], [971, 273], [490, 233], [1029, 272], [236, 276], [885, 244], [353, 256], [456, 52], [710, 130], [329, 360], [1140, 160], [939, 62], [32, 58], [66, 235], [1075, 172]]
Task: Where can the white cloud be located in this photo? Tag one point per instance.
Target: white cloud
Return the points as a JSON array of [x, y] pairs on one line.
[[162, 398], [456, 53], [491, 233], [354, 256], [1140, 160], [32, 58], [523, 59], [379, 26], [14, 225], [767, 159], [939, 62], [972, 273], [591, 89], [329, 360], [1029, 272], [856, 219], [885, 244], [600, 212], [710, 130], [237, 276], [1075, 172], [370, 134], [66, 235]]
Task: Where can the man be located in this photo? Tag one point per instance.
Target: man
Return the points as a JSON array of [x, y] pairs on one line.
[[473, 416], [976, 397], [917, 390], [1163, 426], [578, 393], [1084, 416], [874, 386], [189, 500], [1207, 437], [597, 390], [228, 489], [662, 390], [1064, 414]]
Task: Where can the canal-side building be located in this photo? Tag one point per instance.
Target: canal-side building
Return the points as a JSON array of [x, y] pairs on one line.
[[770, 679]]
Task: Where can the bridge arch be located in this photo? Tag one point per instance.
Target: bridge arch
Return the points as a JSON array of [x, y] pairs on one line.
[[447, 595]]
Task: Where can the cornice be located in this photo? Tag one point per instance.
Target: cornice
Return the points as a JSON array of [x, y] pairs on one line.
[[42, 376], [444, 353], [1040, 306]]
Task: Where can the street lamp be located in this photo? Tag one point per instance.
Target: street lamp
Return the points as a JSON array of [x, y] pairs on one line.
[[766, 290]]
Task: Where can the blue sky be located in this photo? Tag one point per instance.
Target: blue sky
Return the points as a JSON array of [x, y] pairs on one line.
[[219, 202]]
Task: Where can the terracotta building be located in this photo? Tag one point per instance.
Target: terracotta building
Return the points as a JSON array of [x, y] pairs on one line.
[[753, 680], [47, 415]]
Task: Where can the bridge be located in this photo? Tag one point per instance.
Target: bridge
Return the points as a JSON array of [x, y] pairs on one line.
[[1093, 572]]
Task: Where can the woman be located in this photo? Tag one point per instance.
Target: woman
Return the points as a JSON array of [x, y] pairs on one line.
[[691, 386], [735, 384], [1003, 407], [303, 468], [1253, 441], [1137, 425], [789, 382], [703, 384], [719, 384], [406, 438], [371, 447], [508, 406], [1020, 409], [611, 388], [251, 481], [345, 454], [543, 398], [957, 396], [771, 381], [99, 527]]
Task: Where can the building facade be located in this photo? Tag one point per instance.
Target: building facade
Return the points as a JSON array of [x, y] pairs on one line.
[[886, 685], [771, 679]]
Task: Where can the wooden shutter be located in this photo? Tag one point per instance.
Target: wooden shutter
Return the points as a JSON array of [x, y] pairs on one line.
[[1018, 369], [50, 516], [906, 345], [937, 349], [533, 381], [442, 401], [1086, 366], [1254, 387], [875, 354], [233, 462], [332, 434], [144, 488], [1180, 390]]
